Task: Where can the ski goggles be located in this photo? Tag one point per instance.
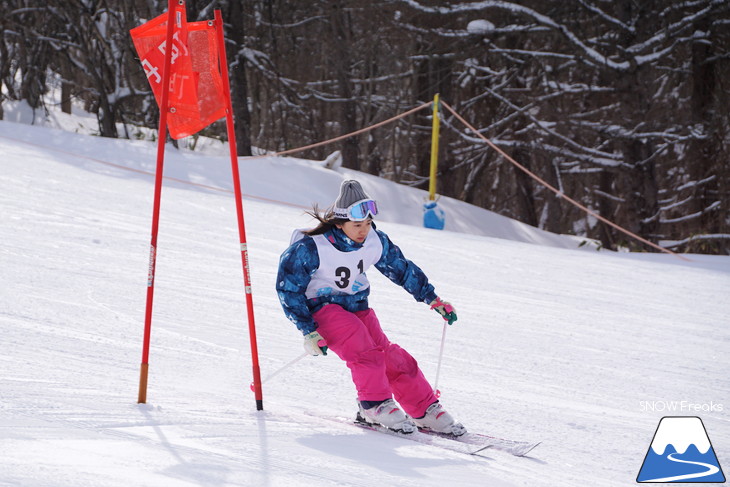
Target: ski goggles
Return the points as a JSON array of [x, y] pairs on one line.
[[358, 211]]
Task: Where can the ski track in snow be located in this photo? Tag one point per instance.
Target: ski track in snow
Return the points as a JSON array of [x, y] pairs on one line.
[[551, 344]]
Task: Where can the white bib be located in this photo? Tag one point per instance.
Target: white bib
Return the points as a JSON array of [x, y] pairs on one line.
[[343, 272]]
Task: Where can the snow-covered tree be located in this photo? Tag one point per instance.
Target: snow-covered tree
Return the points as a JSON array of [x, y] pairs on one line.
[[619, 104]]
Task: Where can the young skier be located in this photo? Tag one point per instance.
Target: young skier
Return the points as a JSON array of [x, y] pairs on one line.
[[324, 290]]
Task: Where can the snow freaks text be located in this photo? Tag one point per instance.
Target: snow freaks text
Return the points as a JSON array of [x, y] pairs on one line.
[[680, 407]]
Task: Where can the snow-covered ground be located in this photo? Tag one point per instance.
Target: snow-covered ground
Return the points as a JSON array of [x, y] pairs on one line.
[[581, 349]]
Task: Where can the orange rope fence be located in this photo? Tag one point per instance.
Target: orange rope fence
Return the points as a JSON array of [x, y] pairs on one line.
[[342, 137], [557, 192]]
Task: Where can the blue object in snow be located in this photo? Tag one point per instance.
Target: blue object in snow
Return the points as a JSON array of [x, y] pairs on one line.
[[433, 216]]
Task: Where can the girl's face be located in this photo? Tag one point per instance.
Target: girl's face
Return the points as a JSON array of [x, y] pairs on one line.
[[356, 231]]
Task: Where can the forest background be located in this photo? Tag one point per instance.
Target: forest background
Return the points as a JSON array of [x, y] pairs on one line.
[[621, 104]]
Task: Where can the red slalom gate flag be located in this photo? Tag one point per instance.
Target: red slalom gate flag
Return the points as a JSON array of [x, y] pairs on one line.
[[196, 97]]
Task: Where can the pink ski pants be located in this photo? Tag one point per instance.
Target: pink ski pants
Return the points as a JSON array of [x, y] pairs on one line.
[[380, 369]]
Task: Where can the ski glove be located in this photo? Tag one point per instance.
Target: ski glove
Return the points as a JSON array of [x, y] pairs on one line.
[[314, 344], [444, 309]]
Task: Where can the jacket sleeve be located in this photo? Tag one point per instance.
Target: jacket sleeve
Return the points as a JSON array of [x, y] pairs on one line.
[[403, 272], [296, 267]]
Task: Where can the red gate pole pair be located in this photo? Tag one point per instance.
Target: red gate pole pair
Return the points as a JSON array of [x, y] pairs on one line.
[[164, 99]]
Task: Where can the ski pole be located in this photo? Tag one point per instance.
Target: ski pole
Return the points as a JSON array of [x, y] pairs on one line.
[[438, 367], [276, 372]]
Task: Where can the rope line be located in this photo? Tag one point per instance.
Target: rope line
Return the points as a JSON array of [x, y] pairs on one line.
[[557, 192], [341, 137]]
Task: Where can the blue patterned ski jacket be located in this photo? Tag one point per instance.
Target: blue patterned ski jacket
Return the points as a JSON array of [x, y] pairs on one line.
[[299, 262]]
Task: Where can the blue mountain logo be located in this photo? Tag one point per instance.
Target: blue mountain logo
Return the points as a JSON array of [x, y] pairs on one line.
[[681, 452]]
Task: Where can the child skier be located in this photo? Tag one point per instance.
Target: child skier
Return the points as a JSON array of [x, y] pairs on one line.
[[324, 290]]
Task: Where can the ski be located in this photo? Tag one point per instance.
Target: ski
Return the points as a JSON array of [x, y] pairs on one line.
[[483, 442], [418, 437], [469, 443]]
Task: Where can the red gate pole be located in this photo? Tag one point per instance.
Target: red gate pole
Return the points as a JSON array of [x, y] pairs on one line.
[[258, 393], [162, 138]]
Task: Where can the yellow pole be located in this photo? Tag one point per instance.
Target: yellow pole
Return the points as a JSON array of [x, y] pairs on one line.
[[434, 148]]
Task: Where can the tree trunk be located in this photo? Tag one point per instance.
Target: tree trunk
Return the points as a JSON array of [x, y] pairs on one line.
[[703, 152], [524, 185], [342, 64], [239, 83]]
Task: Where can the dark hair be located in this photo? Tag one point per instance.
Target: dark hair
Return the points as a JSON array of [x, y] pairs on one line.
[[326, 219]]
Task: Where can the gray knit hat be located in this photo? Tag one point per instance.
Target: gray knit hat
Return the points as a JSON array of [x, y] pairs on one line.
[[350, 193]]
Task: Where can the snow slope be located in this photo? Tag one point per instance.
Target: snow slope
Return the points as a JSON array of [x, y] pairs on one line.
[[554, 344]]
